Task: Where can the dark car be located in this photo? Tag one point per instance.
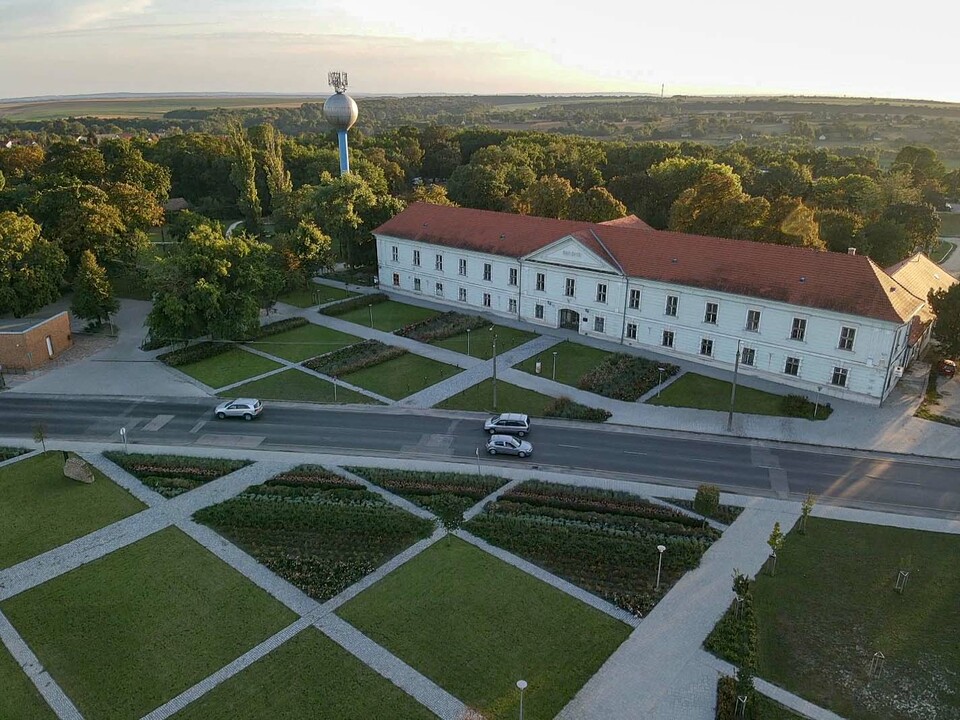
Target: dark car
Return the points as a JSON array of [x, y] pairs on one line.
[[948, 368]]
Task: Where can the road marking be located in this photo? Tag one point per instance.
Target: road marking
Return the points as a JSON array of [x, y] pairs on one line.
[[634, 452], [196, 428], [579, 447], [158, 422]]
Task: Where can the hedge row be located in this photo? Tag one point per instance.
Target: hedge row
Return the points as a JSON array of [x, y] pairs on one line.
[[564, 407], [342, 308], [353, 358], [279, 326], [212, 348], [441, 327], [625, 377], [799, 406]]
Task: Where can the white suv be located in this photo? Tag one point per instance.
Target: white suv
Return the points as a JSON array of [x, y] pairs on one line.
[[247, 408], [508, 424]]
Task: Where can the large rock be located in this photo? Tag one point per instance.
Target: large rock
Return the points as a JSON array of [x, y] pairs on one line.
[[76, 469]]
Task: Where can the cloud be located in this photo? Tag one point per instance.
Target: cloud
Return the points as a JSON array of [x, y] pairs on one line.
[[41, 17]]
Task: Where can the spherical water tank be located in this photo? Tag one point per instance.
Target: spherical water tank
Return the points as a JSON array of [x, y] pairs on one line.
[[340, 110]]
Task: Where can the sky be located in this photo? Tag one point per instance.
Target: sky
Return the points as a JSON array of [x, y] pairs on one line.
[[835, 47]]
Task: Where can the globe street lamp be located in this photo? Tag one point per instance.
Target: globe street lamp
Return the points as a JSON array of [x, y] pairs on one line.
[[494, 370], [554, 365], [468, 342], [660, 549], [370, 310], [661, 370], [521, 686]]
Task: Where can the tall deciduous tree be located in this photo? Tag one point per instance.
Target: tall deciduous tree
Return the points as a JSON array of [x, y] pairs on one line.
[[548, 197], [81, 217], [946, 304], [595, 205], [267, 144], [31, 267], [244, 178], [790, 222], [716, 205], [22, 162], [478, 186], [303, 253], [93, 298], [433, 194]]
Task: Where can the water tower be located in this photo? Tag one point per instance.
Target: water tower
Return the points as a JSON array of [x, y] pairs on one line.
[[340, 110]]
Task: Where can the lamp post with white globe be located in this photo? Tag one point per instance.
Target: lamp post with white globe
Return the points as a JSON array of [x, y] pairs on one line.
[[660, 549], [521, 686]]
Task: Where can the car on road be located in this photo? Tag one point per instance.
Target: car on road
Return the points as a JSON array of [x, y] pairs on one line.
[[508, 445], [508, 424], [948, 368], [247, 408]]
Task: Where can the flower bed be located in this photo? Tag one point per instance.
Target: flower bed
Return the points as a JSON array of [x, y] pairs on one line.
[[315, 529], [441, 327], [353, 358], [212, 348], [446, 495], [279, 326], [351, 304], [625, 377], [10, 452], [564, 407], [725, 514], [603, 541], [172, 475]]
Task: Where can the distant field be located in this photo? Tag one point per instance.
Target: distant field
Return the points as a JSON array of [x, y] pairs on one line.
[[140, 107]]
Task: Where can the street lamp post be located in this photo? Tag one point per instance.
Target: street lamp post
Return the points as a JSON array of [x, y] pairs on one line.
[[521, 686], [468, 342], [554, 365], [816, 405], [494, 371], [660, 370], [733, 390], [123, 434], [479, 474], [370, 309], [660, 549]]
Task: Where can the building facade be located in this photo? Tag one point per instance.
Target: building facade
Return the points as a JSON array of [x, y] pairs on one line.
[[32, 344], [819, 322]]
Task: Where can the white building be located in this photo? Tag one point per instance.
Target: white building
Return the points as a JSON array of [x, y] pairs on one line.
[[807, 319]]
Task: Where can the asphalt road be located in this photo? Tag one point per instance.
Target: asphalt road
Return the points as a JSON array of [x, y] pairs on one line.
[[862, 479]]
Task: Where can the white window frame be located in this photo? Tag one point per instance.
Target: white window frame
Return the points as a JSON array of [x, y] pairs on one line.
[[569, 287], [463, 266], [752, 355], [462, 295], [602, 293], [541, 282], [631, 331], [706, 344], [438, 263], [538, 311], [634, 299], [711, 312], [848, 337], [488, 272], [672, 305], [416, 285], [843, 374], [798, 329], [487, 300], [513, 276], [395, 253], [512, 305], [792, 362], [754, 326], [416, 258], [598, 323], [664, 336]]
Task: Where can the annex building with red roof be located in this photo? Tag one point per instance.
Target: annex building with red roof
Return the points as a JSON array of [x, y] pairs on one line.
[[818, 321]]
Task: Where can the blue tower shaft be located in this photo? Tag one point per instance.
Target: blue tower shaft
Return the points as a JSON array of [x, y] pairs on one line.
[[344, 152]]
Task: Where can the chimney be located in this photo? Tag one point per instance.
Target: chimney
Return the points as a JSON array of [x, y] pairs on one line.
[[851, 251]]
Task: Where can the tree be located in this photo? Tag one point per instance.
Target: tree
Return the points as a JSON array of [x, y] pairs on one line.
[[31, 267], [595, 205], [667, 180], [93, 298], [267, 145], [921, 163], [126, 164], [946, 329], [75, 161], [920, 222], [303, 253], [707, 500], [81, 217], [790, 222], [840, 229], [433, 194], [244, 178], [775, 541], [441, 154], [548, 197], [787, 177], [886, 242], [478, 186], [21, 163], [716, 205], [808, 502], [139, 208]]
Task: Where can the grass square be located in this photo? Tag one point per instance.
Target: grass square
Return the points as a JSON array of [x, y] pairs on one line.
[[388, 316], [227, 368], [481, 341], [949, 224], [19, 698], [304, 342], [510, 398], [40, 509], [315, 294], [309, 676], [402, 376], [573, 360], [127, 632], [706, 393], [476, 625], [297, 386]]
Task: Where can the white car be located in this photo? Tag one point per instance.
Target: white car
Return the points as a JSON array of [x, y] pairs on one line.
[[508, 445], [247, 408]]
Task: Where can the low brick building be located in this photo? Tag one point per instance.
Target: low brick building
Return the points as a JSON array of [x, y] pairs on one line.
[[29, 343]]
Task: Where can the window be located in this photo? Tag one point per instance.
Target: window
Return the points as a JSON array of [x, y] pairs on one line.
[[439, 290], [538, 312], [487, 272], [462, 294], [601, 292], [672, 302], [396, 279], [486, 299], [416, 284], [463, 266], [512, 305], [667, 340], [635, 299], [439, 262], [748, 356], [839, 377], [706, 347], [513, 276], [799, 329], [792, 366], [570, 288], [632, 331], [753, 320], [847, 336], [541, 281], [598, 324], [710, 314], [416, 258], [395, 253]]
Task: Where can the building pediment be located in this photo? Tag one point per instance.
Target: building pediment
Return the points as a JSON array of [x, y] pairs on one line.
[[570, 252]]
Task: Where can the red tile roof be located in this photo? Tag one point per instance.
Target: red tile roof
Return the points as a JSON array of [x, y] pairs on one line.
[[628, 221], [850, 284]]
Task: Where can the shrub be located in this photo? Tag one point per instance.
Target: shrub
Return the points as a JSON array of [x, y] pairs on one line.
[[279, 326], [564, 407], [152, 344], [350, 304], [440, 327], [799, 406], [194, 353], [357, 276], [353, 358], [624, 377], [10, 452], [172, 475], [707, 500]]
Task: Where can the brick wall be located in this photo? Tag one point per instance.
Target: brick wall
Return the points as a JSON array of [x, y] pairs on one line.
[[28, 349]]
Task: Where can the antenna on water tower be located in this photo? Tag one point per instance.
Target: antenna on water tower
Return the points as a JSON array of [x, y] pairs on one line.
[[340, 110]]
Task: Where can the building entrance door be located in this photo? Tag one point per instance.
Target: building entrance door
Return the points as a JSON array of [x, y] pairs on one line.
[[570, 319]]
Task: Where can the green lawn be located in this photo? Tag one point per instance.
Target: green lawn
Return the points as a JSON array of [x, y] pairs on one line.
[[19, 698], [476, 625], [298, 386], [832, 605], [227, 368], [40, 509], [949, 224], [309, 676], [573, 360], [388, 316], [402, 376], [304, 342], [510, 398], [127, 632], [316, 294], [942, 251], [481, 341], [704, 393]]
